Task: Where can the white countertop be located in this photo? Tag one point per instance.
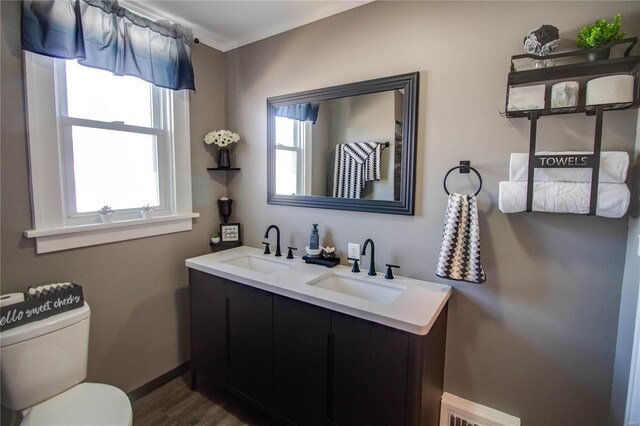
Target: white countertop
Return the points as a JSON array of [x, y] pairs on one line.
[[414, 310]]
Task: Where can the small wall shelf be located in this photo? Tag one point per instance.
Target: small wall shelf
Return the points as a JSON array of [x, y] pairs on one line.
[[218, 169], [581, 71], [224, 245]]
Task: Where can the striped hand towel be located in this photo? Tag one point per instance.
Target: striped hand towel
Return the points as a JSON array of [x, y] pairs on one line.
[[460, 250], [355, 165]]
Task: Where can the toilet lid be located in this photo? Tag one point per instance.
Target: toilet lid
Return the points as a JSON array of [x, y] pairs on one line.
[[84, 404]]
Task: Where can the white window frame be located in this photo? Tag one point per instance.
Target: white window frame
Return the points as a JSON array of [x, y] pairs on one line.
[[302, 149], [54, 229], [161, 99]]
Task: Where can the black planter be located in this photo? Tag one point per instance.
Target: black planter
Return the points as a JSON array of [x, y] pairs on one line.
[[224, 207], [224, 161], [599, 54]]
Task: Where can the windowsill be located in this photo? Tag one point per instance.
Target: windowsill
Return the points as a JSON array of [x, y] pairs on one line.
[[56, 239]]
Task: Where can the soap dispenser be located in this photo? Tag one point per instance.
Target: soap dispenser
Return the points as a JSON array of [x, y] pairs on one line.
[[314, 240]]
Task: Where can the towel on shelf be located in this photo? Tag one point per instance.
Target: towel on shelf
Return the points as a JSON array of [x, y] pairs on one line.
[[355, 165], [460, 250], [613, 168], [564, 197]]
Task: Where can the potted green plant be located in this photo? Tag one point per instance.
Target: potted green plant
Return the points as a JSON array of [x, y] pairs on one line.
[[215, 237], [598, 35], [145, 211], [106, 214]]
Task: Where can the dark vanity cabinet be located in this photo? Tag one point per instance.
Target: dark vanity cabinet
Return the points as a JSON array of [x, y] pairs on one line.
[[250, 341], [369, 372], [209, 349], [309, 365], [300, 360], [231, 334]]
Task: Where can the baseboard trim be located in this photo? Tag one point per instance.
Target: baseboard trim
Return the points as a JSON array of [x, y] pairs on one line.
[[154, 384]]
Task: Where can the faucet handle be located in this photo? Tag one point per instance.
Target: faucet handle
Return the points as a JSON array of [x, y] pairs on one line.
[[266, 248], [389, 274], [289, 253], [355, 268]]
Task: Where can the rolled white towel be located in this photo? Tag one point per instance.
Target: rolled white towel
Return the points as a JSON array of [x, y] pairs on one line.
[[613, 168], [564, 197]]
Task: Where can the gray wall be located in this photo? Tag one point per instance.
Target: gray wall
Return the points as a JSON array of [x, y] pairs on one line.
[[137, 289], [628, 302], [364, 118], [538, 339]]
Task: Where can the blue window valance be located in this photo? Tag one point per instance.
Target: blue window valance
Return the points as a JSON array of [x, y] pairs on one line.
[[300, 112], [102, 34]]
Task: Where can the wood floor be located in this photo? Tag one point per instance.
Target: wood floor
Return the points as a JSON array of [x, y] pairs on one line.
[[175, 404]]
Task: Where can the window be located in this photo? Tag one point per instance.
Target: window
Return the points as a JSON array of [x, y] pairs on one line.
[[293, 171], [97, 139], [114, 152]]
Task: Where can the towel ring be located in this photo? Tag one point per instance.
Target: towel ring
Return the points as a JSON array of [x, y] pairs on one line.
[[464, 168]]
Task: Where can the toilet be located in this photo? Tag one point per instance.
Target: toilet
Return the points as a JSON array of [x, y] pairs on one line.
[[44, 364]]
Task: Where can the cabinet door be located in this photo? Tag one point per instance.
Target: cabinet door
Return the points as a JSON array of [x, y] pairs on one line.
[[250, 340], [369, 380], [300, 337], [208, 296]]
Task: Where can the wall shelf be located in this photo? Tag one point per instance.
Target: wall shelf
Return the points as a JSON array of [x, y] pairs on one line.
[[224, 245], [224, 169], [582, 72]]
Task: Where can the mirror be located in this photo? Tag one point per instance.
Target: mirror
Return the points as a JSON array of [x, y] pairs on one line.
[[348, 147]]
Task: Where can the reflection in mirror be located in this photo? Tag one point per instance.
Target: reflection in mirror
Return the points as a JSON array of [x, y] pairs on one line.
[[347, 147]]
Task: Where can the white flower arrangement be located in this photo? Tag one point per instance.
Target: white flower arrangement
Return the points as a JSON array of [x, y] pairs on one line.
[[221, 138]]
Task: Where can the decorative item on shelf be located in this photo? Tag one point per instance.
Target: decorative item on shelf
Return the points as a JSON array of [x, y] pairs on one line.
[[524, 98], [145, 211], [329, 252], [599, 35], [611, 89], [229, 232], [224, 207], [222, 139], [565, 94], [106, 214], [224, 160], [311, 252], [215, 237], [542, 41]]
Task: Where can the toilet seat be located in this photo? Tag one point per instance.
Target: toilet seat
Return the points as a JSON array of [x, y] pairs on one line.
[[84, 404]]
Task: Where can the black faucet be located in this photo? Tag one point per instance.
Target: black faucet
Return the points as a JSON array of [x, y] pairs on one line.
[[266, 235], [372, 264]]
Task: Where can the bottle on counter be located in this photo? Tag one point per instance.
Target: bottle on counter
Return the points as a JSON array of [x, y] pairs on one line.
[[314, 239]]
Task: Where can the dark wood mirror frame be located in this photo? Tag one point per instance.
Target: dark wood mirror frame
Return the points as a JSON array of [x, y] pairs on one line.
[[405, 205]]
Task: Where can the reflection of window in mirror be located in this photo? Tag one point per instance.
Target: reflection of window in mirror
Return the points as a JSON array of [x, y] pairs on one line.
[[293, 146]]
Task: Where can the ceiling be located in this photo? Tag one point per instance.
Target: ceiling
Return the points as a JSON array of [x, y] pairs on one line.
[[225, 25]]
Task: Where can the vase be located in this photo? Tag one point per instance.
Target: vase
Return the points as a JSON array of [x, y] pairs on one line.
[[224, 161], [224, 206], [106, 218]]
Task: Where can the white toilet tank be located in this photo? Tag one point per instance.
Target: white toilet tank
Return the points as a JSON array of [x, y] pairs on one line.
[[44, 358]]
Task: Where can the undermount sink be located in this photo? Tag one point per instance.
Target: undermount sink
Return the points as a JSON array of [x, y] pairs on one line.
[[258, 264], [364, 287]]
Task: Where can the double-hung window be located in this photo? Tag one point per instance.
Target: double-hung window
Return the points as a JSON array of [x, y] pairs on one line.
[[114, 142], [293, 140], [97, 139]]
